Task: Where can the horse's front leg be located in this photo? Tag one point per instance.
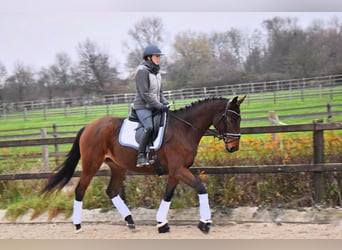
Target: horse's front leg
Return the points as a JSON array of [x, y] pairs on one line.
[[185, 175], [161, 217], [113, 191]]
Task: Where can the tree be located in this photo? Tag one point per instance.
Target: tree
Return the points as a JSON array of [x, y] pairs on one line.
[[94, 67], [45, 81], [193, 60], [226, 49], [332, 46], [149, 30], [286, 50], [57, 76], [61, 70], [254, 61], [3, 73], [20, 84]]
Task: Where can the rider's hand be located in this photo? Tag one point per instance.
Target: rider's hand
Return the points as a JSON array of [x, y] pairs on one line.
[[164, 108]]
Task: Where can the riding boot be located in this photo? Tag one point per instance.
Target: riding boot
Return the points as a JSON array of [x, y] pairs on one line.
[[142, 160]]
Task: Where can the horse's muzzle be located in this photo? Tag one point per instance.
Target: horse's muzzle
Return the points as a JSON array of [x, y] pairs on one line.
[[232, 149], [232, 144]]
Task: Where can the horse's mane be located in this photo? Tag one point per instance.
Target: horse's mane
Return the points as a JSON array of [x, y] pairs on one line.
[[196, 103]]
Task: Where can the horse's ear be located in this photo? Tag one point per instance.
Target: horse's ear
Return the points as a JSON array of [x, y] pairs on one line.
[[241, 100], [234, 100]]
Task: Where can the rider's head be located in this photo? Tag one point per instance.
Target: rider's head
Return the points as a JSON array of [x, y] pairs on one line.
[[152, 53]]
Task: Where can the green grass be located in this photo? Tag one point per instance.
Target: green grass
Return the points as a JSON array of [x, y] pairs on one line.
[[256, 105]]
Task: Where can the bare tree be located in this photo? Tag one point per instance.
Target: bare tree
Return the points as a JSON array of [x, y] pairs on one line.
[[57, 76], [283, 33], [19, 85], [193, 60], [254, 61], [3, 73], [149, 30], [224, 51], [94, 67], [61, 70]]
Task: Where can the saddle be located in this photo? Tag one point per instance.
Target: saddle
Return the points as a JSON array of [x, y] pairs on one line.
[[131, 131]]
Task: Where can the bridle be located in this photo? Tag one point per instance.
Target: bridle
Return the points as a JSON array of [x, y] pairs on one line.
[[223, 118], [224, 135]]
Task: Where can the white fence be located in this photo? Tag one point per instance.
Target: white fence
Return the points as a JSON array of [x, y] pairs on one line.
[[273, 90]]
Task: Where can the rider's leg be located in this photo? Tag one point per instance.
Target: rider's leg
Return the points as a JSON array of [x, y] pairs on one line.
[[145, 117]]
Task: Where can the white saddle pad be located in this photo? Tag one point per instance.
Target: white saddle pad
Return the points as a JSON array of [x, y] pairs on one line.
[[127, 135]]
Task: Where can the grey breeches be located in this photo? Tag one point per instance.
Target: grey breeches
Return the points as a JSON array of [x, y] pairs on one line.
[[145, 117]]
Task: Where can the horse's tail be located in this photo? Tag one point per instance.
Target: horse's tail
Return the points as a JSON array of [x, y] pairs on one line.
[[67, 169]]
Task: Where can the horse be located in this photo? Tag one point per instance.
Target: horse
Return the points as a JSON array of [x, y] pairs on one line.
[[97, 143]]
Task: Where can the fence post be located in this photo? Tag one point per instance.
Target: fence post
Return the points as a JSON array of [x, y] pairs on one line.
[[329, 117], [66, 110], [25, 114], [86, 109], [55, 135], [45, 151], [318, 177], [45, 111]]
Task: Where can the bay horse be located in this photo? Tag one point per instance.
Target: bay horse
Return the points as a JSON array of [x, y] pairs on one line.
[[97, 143]]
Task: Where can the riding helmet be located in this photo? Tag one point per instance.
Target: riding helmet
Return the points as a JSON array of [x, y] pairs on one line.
[[151, 50]]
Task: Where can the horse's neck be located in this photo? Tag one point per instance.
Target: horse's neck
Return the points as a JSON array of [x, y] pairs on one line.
[[200, 118]]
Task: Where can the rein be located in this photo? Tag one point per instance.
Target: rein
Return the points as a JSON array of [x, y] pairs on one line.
[[213, 132]]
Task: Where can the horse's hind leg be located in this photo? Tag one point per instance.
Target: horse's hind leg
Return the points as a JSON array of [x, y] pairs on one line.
[[113, 191], [89, 168], [78, 202]]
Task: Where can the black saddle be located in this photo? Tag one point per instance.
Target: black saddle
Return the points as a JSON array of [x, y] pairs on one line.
[[157, 120]]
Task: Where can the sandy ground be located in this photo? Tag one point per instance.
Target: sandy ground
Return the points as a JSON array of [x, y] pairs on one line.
[[111, 231], [237, 223]]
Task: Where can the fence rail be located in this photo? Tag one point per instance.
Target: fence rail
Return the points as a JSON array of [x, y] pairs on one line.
[[211, 170], [271, 90]]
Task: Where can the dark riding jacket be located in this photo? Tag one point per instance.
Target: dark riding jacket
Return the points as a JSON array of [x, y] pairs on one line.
[[149, 94]]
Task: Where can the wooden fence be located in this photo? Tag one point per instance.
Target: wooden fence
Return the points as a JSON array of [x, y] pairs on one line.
[[317, 167]]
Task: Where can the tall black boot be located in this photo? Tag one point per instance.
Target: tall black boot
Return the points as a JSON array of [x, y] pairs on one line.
[[142, 160]]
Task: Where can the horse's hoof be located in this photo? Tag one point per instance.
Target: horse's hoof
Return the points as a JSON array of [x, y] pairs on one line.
[[131, 226], [129, 222], [204, 226], [163, 227], [78, 228]]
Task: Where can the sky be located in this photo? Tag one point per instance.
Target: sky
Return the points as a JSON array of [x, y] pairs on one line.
[[32, 32]]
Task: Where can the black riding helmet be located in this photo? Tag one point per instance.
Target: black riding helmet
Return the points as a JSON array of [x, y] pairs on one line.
[[151, 50]]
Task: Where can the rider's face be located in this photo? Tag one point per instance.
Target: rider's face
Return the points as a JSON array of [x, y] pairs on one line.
[[155, 59]]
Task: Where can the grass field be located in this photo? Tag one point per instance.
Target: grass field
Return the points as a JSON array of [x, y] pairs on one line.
[[256, 105]]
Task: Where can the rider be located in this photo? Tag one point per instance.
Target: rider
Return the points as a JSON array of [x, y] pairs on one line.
[[149, 97]]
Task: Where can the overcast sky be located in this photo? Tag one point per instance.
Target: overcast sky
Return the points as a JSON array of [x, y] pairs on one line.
[[33, 33]]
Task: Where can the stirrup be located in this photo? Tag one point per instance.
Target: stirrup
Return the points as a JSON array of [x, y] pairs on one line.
[[143, 164], [142, 161]]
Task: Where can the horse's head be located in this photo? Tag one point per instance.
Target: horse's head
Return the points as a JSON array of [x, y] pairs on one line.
[[228, 124]]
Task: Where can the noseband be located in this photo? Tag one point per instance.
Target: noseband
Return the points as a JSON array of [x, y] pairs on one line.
[[223, 118]]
